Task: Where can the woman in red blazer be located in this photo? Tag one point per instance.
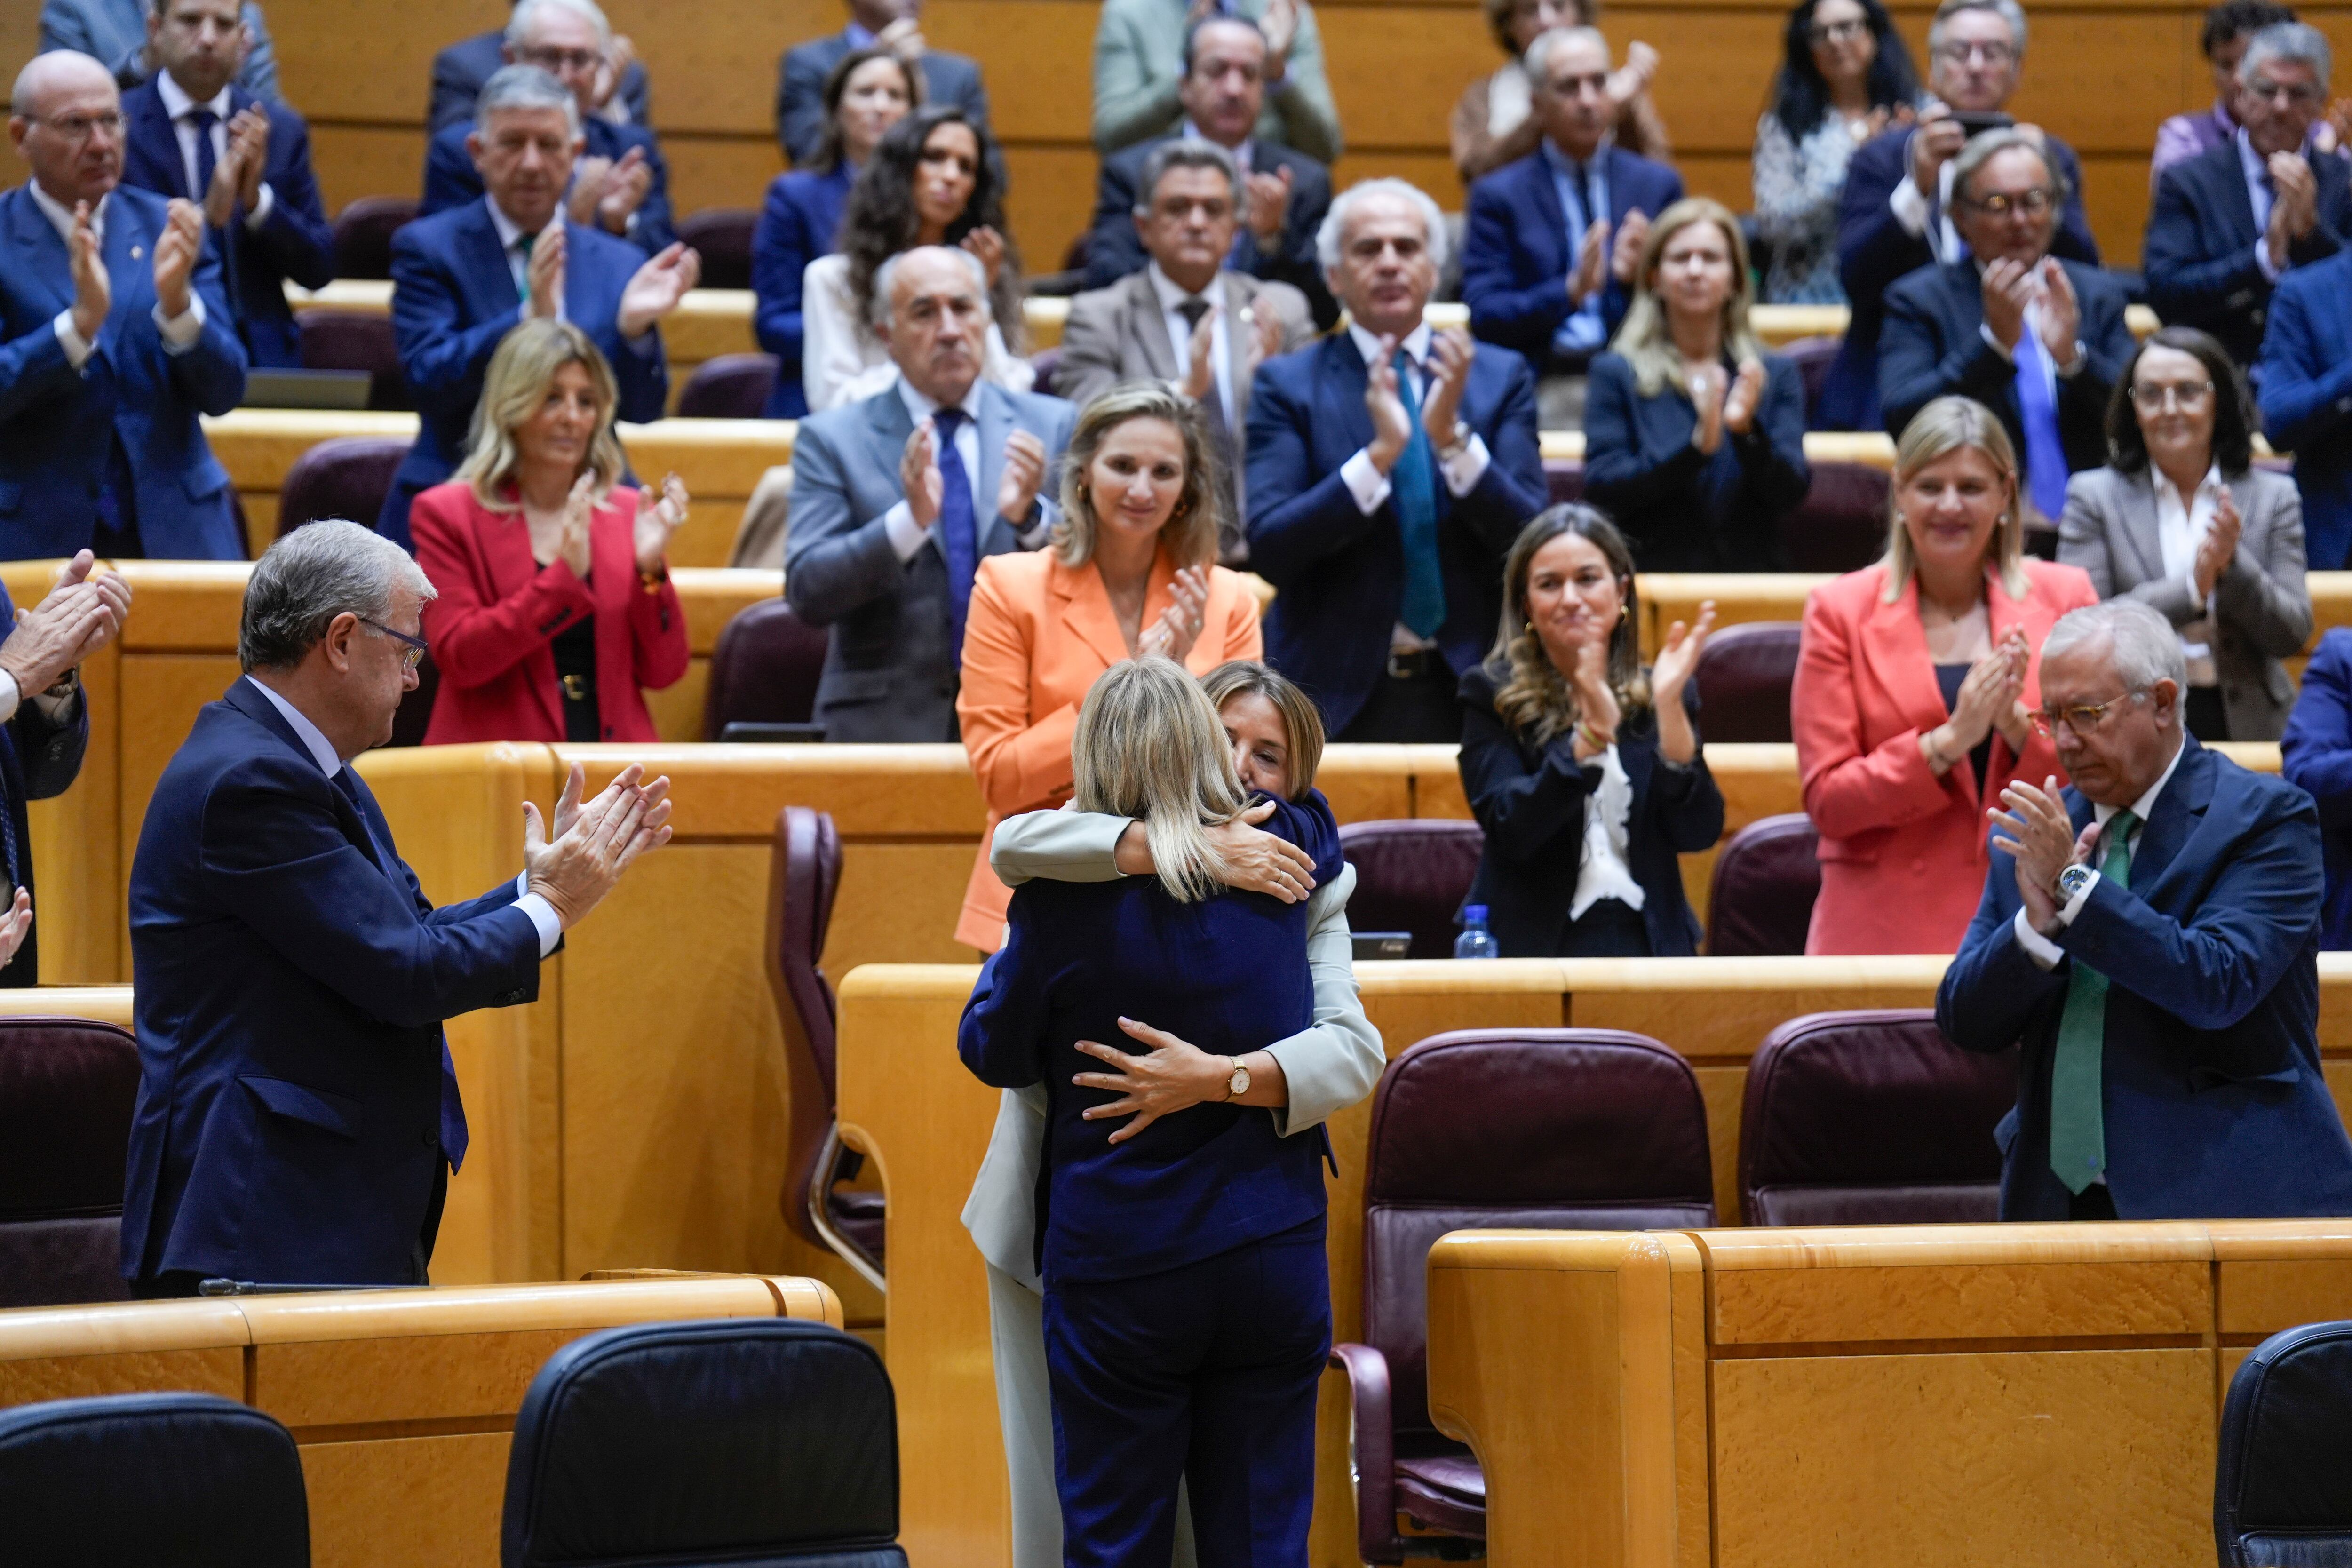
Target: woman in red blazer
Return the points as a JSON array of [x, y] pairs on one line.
[[555, 604], [1915, 686]]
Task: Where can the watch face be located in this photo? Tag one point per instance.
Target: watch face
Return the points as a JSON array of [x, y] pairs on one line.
[[2072, 880]]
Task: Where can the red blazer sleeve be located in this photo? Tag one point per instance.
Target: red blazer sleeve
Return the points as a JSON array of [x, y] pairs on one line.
[[476, 636], [1853, 784], [657, 623]]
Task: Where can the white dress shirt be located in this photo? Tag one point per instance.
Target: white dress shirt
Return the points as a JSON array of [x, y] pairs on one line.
[[179, 105], [2180, 528], [1910, 210], [510, 238], [1603, 872], [1180, 335], [322, 751], [180, 333], [898, 525], [2257, 171], [2040, 948]]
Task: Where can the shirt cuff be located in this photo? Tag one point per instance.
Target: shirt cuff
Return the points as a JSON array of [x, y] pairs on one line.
[[261, 208], [1467, 468], [906, 535], [1035, 538], [2270, 272], [542, 915], [77, 347], [1984, 331], [1909, 207], [10, 697], [1365, 482], [2044, 953], [180, 334]]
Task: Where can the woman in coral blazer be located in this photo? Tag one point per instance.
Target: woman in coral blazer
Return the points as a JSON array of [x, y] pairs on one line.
[[555, 604], [1915, 690], [1130, 573]]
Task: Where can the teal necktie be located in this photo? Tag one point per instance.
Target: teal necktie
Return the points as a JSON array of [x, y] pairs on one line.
[[2078, 1137], [1413, 482]]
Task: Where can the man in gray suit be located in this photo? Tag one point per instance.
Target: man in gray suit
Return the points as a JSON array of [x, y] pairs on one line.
[[895, 500], [1187, 318]]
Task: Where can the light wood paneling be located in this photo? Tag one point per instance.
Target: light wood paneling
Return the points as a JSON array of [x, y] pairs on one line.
[[402, 1502]]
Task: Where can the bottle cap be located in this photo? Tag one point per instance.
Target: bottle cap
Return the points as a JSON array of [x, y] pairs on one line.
[[1471, 913]]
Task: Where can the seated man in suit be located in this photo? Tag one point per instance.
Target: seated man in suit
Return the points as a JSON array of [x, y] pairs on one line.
[[2038, 341], [620, 182], [896, 498], [1284, 193], [1389, 469], [114, 34], [2315, 756], [1895, 217], [1186, 318], [190, 131], [893, 25], [2150, 936], [2228, 27], [462, 278], [2305, 386], [623, 95], [114, 336], [1140, 62], [2229, 222], [1548, 259], [297, 1118]]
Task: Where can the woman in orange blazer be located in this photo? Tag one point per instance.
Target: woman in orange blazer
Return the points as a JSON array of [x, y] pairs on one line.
[[555, 604], [1131, 572], [1914, 688]]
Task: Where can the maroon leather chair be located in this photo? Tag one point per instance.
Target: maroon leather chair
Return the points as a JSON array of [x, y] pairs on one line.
[[802, 879], [66, 1088], [1813, 357], [362, 235], [1744, 675], [732, 386], [344, 476], [722, 237], [1542, 1129], [1840, 525], [1412, 875], [353, 340], [1046, 365], [1872, 1118], [1759, 901], [764, 669], [1563, 480]]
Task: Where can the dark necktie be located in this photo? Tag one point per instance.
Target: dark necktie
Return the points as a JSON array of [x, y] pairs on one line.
[[959, 530], [452, 1107], [2037, 412], [203, 120], [1194, 311], [1413, 482]]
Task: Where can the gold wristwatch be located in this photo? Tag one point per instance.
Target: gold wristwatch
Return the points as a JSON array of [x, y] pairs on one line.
[[1237, 1082]]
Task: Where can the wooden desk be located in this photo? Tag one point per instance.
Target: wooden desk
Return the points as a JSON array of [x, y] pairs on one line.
[[1931, 1395]]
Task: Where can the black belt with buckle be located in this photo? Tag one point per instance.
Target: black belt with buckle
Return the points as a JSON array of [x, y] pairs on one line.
[[575, 689], [1414, 664]]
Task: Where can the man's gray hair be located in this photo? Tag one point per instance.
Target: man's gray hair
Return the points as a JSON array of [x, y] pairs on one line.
[[2287, 41], [885, 278], [518, 25], [1184, 152], [1986, 146], [1332, 237], [2144, 649], [312, 576], [2009, 11], [525, 86], [1537, 59]]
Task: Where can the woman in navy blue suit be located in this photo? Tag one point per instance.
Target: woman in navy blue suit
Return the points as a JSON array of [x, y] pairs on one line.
[[1188, 1304], [866, 92], [1694, 435]]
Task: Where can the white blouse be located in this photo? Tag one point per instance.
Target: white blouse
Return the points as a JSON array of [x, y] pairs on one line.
[[841, 362], [1602, 873]]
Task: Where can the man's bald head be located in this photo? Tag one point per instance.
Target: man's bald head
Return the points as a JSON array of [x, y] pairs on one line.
[[65, 119], [57, 70]]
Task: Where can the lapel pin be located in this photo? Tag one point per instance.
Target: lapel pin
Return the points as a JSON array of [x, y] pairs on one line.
[[137, 251]]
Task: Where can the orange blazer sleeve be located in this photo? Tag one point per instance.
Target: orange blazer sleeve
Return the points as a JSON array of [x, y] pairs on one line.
[[476, 638], [1851, 785], [1243, 637], [1019, 760]]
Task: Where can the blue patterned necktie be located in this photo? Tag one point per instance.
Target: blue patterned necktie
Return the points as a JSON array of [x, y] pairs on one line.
[[2037, 410], [1413, 484], [959, 530], [203, 120]]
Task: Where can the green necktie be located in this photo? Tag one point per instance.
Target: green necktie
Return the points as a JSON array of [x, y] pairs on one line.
[[2078, 1138]]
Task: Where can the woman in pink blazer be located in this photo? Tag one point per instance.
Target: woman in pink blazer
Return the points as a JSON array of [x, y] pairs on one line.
[[1915, 689]]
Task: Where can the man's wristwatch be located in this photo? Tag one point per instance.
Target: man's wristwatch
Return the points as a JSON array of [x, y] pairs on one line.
[[1237, 1082], [2072, 881], [1457, 443]]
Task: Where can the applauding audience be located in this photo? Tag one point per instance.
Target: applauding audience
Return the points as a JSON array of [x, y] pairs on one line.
[[1494, 123], [191, 133], [1583, 768], [1695, 434], [100, 445], [1142, 50], [556, 605], [803, 107], [2228, 28], [621, 94], [2182, 521], [119, 35]]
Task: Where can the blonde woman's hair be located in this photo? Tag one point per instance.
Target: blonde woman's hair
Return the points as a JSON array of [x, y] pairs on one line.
[[1189, 534], [1532, 696], [1302, 721], [520, 372], [1644, 338], [1149, 746], [1944, 426]]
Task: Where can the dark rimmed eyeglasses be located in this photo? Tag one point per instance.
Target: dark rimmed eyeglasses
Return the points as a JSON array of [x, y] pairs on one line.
[[2081, 718], [412, 649]]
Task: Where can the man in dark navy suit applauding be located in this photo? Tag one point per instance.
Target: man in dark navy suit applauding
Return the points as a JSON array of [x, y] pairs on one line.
[[298, 1118]]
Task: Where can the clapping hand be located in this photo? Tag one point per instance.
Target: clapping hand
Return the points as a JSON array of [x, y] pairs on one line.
[[1992, 697], [583, 862], [1679, 658], [93, 292], [658, 524], [1708, 386], [989, 245], [2295, 212], [657, 288], [544, 273], [1590, 273], [1024, 475], [579, 510], [1625, 250], [2007, 291], [904, 38], [623, 190], [1179, 626], [76, 618], [1391, 427], [1265, 335], [1451, 353], [176, 250], [1940, 138], [618, 56], [1587, 676], [237, 177], [1631, 80], [2042, 839], [2061, 313], [1200, 368], [1280, 25], [15, 925], [919, 475], [1269, 205], [2218, 546], [1747, 394]]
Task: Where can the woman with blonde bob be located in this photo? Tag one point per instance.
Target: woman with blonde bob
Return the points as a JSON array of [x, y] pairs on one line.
[[1186, 1300], [1131, 571], [1693, 433], [556, 605], [1915, 686]]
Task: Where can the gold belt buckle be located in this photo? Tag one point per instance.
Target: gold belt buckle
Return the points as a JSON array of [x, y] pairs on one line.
[[575, 688]]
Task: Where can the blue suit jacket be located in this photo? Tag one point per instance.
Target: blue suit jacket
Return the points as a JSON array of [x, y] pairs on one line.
[[453, 299], [2199, 253], [460, 71], [1341, 574], [290, 993], [39, 758], [295, 243], [1228, 974], [2305, 384], [1114, 249], [451, 181], [1516, 253], [1874, 251], [2213, 1099], [2315, 754], [800, 89], [797, 223], [1683, 511], [55, 426]]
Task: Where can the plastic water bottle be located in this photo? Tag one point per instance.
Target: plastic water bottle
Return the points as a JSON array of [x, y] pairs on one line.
[[1476, 941]]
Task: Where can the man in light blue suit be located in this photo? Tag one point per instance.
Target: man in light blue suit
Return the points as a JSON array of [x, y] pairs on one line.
[[462, 279], [895, 500], [114, 336]]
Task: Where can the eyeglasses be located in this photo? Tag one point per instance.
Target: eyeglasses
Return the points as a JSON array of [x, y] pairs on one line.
[[2083, 717], [2188, 397], [2299, 93], [412, 649], [1837, 32], [2035, 203], [1961, 54], [555, 62], [78, 127]]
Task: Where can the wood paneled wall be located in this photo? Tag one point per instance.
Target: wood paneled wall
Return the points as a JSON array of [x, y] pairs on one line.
[[2101, 73]]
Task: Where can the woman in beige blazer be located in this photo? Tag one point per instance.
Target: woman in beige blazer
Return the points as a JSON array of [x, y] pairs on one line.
[[2181, 521]]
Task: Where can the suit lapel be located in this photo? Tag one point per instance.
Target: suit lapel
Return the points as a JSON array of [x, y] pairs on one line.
[[2237, 202], [152, 134], [130, 268], [1555, 218], [2142, 531], [46, 263], [1895, 643], [1148, 327], [1085, 608], [487, 260], [991, 534], [1343, 380], [2179, 811], [349, 814]]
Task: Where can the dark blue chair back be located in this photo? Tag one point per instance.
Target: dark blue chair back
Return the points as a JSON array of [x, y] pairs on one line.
[[2283, 1488]]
